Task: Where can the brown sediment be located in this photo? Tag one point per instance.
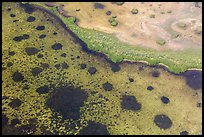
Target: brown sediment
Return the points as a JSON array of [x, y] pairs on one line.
[[50, 4], [61, 11]]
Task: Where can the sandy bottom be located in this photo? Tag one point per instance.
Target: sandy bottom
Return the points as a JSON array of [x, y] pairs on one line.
[[139, 29]]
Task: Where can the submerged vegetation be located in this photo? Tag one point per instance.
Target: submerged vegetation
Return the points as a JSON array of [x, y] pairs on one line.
[[53, 85], [182, 25], [152, 16], [175, 34], [113, 21], [119, 3], [134, 11], [161, 41]]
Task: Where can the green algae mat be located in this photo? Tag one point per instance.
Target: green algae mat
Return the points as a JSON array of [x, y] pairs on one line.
[[52, 84]]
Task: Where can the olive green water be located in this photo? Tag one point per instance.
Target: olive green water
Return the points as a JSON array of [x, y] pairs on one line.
[[100, 106]]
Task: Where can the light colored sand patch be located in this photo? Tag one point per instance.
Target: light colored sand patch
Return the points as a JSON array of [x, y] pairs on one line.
[[139, 29]]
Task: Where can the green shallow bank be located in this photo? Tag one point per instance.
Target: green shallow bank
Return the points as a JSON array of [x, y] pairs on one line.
[[36, 113], [176, 61]]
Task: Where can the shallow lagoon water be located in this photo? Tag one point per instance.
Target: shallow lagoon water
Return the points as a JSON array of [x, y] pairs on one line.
[[29, 89]]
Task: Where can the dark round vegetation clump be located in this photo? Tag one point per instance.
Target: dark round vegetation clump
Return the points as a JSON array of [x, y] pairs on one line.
[[18, 38], [57, 46], [65, 65], [155, 74], [92, 70], [15, 20], [44, 65], [36, 70], [115, 67], [184, 133], [40, 27], [108, 13], [12, 15], [57, 66], [162, 121], [82, 66], [94, 128], [43, 89], [15, 103], [11, 53], [131, 79], [165, 100], [40, 55], [17, 76], [42, 36], [4, 120], [25, 36], [9, 64], [63, 55], [130, 103], [9, 9], [27, 129], [67, 101], [10, 130], [28, 8], [55, 33], [107, 86], [150, 88], [30, 19], [31, 51], [193, 79], [199, 104], [15, 121], [32, 120], [4, 97], [98, 6]]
